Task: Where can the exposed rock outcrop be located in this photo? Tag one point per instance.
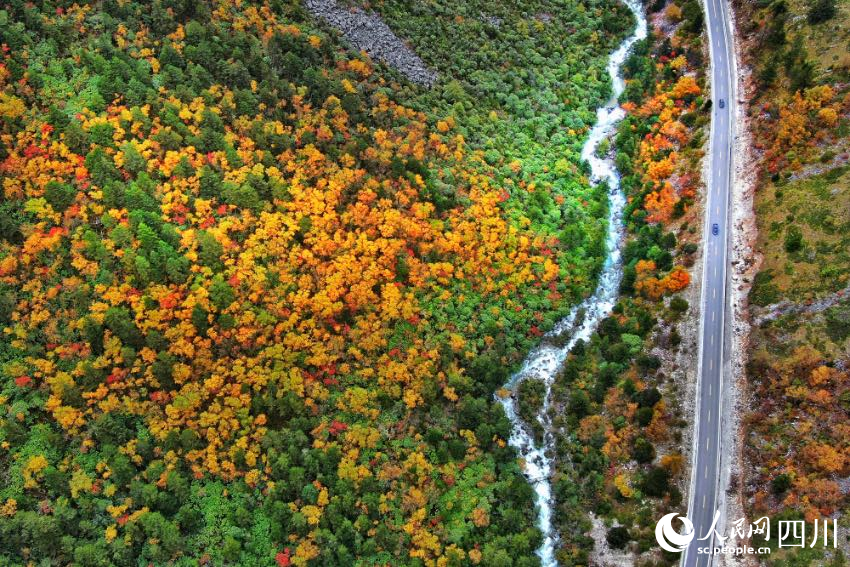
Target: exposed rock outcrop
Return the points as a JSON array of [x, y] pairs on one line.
[[786, 307], [366, 31]]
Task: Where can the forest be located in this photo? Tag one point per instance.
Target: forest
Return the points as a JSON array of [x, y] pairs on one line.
[[257, 292], [619, 399]]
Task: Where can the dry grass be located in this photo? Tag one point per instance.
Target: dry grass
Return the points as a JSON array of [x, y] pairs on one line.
[[819, 206], [828, 42]]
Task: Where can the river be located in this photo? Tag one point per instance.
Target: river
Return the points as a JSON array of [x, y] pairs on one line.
[[545, 361]]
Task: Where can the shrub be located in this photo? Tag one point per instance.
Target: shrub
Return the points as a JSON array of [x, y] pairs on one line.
[[656, 483], [793, 239], [618, 537], [679, 304], [821, 11], [838, 323], [764, 292]]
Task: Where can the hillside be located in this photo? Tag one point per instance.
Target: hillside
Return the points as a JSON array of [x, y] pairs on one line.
[[795, 438], [257, 291]]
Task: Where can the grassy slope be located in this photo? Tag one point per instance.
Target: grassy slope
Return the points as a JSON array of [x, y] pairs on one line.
[[808, 194], [819, 205]]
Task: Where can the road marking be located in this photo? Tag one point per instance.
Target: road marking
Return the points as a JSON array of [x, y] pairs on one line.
[[717, 27], [709, 416], [712, 338]]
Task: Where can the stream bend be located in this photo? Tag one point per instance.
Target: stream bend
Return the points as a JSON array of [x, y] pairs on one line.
[[545, 361]]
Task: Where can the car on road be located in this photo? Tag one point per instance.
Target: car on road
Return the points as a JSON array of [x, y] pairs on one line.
[[715, 229], [722, 103]]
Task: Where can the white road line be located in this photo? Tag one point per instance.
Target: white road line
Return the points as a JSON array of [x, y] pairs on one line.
[[717, 192]]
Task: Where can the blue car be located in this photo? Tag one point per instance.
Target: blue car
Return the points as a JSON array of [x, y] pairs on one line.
[[722, 103], [715, 229]]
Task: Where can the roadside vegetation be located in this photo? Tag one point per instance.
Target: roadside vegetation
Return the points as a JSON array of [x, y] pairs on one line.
[[795, 438]]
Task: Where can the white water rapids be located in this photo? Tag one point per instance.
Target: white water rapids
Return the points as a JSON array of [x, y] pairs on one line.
[[544, 361]]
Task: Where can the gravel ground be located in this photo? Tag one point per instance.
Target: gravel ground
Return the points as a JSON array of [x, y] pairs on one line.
[[745, 264], [603, 555], [366, 31]]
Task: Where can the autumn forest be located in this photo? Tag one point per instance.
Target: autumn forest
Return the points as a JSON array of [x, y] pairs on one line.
[[260, 293]]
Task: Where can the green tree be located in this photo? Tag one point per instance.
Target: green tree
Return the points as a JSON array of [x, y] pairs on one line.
[[644, 451], [60, 196], [821, 11], [618, 537], [780, 483], [656, 482], [221, 294]]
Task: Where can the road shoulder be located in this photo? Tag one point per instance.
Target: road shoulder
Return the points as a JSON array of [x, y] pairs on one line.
[[745, 262]]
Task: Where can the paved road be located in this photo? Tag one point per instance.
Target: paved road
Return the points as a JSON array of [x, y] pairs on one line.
[[714, 360]]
